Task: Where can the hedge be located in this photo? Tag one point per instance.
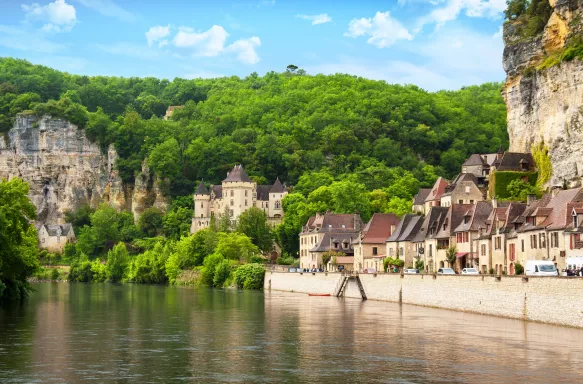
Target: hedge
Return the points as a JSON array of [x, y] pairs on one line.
[[499, 180]]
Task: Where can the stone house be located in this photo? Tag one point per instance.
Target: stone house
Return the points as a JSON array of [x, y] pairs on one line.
[[433, 199], [514, 161], [468, 232], [171, 110], [54, 237], [444, 232], [477, 165], [431, 227], [463, 190], [400, 243], [370, 248], [571, 243], [342, 263], [419, 200], [235, 195], [328, 232]]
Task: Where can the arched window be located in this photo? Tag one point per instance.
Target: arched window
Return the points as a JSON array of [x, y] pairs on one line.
[[277, 204]]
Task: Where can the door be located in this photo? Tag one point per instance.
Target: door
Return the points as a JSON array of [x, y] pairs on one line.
[[512, 268]]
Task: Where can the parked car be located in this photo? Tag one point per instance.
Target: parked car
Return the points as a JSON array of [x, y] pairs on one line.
[[540, 268], [445, 271], [411, 271], [470, 271], [291, 269]]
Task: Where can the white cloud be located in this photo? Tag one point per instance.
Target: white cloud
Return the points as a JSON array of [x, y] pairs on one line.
[[208, 43], [452, 9], [498, 33], [383, 30], [212, 43], [245, 50], [157, 34], [110, 9], [22, 40], [58, 16], [316, 19]]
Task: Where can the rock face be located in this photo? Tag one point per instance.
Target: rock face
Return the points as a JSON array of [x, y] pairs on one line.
[[546, 106], [65, 170]]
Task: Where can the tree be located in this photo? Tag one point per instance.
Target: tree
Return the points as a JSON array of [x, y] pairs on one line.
[[151, 222], [117, 261], [165, 159], [225, 223], [236, 246], [519, 189], [330, 255], [350, 197], [450, 255], [515, 8], [291, 68], [18, 239], [176, 223], [253, 223]]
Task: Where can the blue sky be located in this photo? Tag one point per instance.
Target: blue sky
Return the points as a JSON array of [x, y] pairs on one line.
[[436, 44]]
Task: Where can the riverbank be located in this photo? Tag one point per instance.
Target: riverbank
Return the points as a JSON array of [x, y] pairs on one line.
[[540, 299]]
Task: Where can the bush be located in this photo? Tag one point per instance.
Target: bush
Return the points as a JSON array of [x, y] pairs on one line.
[[150, 266], [258, 259], [55, 274], [491, 271], [117, 261], [222, 273], [518, 269], [81, 270], [419, 264], [250, 276], [210, 264], [285, 260], [99, 271]]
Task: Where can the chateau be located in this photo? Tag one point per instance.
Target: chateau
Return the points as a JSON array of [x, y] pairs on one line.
[[236, 194]]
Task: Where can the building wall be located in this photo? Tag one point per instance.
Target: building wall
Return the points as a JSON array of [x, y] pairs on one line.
[[542, 299], [485, 255], [499, 255], [307, 242], [54, 243], [467, 192]]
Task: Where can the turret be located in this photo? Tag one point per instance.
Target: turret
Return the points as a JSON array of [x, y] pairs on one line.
[[276, 194], [201, 215]]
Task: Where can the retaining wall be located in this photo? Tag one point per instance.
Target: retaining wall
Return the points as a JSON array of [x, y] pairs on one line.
[[554, 300]]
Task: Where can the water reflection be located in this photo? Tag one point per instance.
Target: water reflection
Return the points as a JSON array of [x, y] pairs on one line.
[[120, 333]]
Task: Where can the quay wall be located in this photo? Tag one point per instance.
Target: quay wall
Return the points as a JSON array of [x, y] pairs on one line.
[[553, 300]]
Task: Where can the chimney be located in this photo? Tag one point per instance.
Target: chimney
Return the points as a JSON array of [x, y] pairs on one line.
[[555, 191], [530, 199], [494, 203]]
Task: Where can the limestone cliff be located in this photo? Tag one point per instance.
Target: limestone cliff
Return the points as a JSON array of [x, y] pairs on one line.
[[546, 105], [65, 170]]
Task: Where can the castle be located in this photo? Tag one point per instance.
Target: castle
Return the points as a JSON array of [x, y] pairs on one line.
[[235, 195]]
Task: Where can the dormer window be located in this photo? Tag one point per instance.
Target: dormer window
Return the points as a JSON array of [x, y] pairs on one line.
[[575, 220], [329, 225], [343, 226]]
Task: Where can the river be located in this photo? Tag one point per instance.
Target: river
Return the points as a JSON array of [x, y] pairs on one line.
[[97, 333]]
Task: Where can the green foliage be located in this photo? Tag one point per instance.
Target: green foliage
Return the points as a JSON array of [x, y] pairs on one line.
[[253, 223], [450, 255], [249, 276], [285, 260], [518, 190], [117, 261], [518, 269], [330, 255], [500, 180], [55, 275], [80, 217], [98, 272], [236, 246], [207, 274], [541, 156], [419, 264], [150, 266], [81, 270], [18, 239], [528, 16], [176, 223], [222, 273], [151, 222]]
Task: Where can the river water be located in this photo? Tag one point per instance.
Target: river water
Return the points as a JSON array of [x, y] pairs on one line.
[[97, 333]]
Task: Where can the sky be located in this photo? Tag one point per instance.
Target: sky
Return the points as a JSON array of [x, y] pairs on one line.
[[435, 44]]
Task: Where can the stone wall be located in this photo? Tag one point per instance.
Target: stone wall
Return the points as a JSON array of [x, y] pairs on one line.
[[542, 299]]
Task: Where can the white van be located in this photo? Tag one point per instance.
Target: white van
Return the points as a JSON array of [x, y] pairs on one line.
[[540, 268]]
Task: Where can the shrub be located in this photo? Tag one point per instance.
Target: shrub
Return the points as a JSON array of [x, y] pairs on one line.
[[518, 269], [81, 270], [419, 264], [491, 271], [285, 260], [207, 274], [99, 271], [222, 273], [117, 261], [250, 276], [55, 274], [150, 266]]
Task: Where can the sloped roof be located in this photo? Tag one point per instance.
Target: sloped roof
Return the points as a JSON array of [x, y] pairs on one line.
[[558, 204], [420, 197], [434, 220], [53, 230], [378, 229], [511, 161], [454, 217], [217, 190], [263, 192], [202, 189], [437, 190], [277, 187], [332, 222], [404, 228], [478, 216], [475, 159], [237, 174], [327, 242]]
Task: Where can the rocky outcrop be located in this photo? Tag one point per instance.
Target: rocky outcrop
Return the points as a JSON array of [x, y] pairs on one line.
[[65, 170], [546, 105]]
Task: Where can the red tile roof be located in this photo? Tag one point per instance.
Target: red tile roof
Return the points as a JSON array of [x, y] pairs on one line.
[[437, 190], [378, 229]]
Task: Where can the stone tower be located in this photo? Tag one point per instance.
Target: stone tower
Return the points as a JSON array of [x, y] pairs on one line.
[[202, 216]]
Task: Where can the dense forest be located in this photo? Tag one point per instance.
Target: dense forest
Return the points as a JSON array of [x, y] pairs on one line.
[[346, 143]]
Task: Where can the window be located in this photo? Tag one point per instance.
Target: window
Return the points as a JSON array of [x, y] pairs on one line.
[[231, 213], [336, 245], [467, 189], [483, 250], [512, 252], [460, 201], [471, 201], [542, 240], [401, 251], [575, 220], [464, 170], [245, 193], [430, 250], [521, 245], [232, 202], [232, 193], [555, 240], [202, 205], [497, 242], [391, 252], [575, 238], [245, 202], [374, 251], [277, 204], [533, 242]]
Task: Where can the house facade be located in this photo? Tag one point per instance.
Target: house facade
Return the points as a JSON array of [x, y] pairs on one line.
[[370, 248], [236, 194], [54, 237]]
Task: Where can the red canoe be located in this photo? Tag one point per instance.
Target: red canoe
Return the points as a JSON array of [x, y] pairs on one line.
[[318, 294]]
